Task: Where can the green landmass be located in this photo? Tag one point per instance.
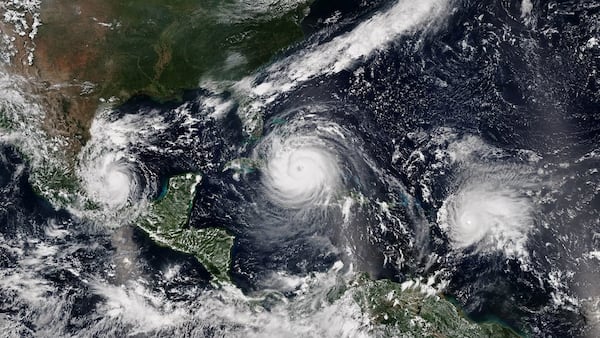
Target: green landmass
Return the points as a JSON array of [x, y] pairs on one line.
[[167, 223], [397, 311], [159, 48]]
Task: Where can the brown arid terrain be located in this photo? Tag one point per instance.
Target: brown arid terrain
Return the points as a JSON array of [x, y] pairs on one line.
[[78, 54], [60, 63], [67, 57]]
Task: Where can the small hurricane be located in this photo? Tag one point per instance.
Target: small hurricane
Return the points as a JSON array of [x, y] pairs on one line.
[[491, 205], [487, 198], [488, 213], [113, 178], [113, 182]]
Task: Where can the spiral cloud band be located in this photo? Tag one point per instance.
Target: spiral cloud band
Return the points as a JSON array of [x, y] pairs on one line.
[[490, 215], [301, 171], [307, 161]]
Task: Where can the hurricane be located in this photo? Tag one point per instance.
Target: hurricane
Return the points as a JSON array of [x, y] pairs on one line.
[[307, 161], [112, 176], [300, 172], [311, 183], [114, 182], [488, 213]]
